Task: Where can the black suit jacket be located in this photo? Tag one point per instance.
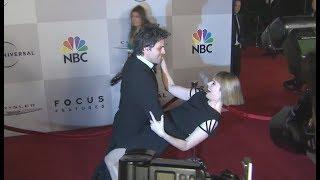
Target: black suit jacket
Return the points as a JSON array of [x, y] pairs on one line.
[[139, 95]]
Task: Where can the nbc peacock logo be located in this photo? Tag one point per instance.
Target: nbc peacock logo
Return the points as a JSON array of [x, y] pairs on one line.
[[202, 41], [74, 50]]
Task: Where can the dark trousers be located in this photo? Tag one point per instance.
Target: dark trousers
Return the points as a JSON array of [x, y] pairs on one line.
[[101, 172], [235, 60]]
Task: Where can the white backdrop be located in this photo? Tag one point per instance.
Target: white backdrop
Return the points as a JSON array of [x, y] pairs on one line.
[[50, 86]]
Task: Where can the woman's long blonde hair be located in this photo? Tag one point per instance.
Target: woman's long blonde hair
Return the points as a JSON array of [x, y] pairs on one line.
[[231, 93]]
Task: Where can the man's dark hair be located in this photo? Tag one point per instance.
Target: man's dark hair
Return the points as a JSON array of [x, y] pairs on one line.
[[148, 36]]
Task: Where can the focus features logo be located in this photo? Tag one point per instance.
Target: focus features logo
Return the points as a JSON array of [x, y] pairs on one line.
[[79, 104]]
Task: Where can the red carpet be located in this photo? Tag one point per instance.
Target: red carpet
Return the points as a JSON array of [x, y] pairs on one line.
[[38, 158]]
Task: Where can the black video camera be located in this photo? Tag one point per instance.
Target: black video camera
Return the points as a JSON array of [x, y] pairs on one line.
[[141, 164]]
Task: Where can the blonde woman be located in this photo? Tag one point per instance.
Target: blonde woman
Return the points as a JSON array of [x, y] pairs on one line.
[[195, 120]]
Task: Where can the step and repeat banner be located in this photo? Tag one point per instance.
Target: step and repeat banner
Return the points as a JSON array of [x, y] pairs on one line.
[[59, 56]]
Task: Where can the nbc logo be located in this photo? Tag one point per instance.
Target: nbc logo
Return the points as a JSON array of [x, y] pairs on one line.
[[74, 50], [202, 41]]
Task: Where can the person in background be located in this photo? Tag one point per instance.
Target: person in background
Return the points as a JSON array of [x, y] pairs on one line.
[[237, 40], [138, 20], [314, 8]]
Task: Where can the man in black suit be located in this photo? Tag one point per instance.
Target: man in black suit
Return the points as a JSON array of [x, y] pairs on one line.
[[236, 40], [139, 95]]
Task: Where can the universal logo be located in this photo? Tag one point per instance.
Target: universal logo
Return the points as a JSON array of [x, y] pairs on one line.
[[12, 55], [20, 109], [79, 104], [74, 50], [202, 41]]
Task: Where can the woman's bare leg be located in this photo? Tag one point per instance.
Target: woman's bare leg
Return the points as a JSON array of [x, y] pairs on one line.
[[112, 161]]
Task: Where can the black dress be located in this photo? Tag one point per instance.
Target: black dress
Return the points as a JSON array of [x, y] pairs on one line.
[[184, 119], [179, 122]]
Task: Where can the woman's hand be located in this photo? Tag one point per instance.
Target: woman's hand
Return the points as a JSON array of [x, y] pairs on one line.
[[157, 126], [163, 64]]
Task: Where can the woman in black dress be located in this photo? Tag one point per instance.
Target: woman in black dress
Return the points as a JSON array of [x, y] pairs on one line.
[[190, 123]]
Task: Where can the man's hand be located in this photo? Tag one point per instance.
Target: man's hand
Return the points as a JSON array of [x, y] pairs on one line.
[[157, 126]]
